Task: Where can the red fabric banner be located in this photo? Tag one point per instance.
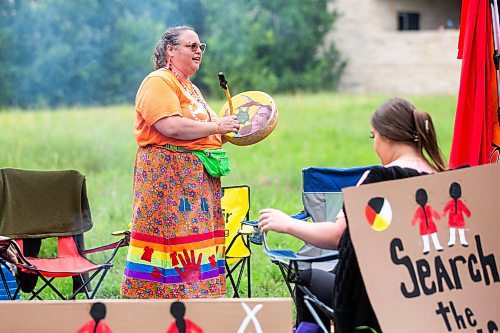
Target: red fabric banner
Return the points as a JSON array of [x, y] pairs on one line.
[[476, 117]]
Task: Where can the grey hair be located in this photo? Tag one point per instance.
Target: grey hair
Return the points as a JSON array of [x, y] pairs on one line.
[[171, 36]]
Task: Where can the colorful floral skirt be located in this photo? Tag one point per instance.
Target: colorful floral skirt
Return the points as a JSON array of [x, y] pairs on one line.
[[177, 243]]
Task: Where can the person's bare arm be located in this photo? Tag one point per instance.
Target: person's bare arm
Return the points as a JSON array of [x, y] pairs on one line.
[[320, 234], [187, 129]]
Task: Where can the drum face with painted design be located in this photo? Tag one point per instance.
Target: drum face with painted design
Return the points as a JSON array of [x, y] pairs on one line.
[[257, 115]]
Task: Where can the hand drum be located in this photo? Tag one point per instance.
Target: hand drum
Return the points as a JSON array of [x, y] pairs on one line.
[[257, 115]]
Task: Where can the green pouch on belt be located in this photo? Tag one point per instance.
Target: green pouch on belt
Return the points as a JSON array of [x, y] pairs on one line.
[[216, 161]]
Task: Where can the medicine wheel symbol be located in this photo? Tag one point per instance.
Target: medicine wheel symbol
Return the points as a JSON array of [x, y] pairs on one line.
[[378, 213]]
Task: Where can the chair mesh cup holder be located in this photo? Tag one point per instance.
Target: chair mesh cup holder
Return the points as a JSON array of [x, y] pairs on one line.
[[256, 237]]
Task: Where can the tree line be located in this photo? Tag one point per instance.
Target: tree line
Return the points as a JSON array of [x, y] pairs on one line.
[[96, 52]]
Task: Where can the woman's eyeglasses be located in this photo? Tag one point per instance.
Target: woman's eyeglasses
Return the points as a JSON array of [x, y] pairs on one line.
[[372, 135], [194, 46]]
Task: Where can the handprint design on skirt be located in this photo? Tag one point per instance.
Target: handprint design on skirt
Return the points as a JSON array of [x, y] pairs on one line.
[[213, 258], [191, 271]]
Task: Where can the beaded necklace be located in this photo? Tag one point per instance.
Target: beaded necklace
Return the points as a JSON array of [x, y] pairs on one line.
[[193, 94]]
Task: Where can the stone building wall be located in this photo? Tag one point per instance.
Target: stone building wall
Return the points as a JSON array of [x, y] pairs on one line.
[[382, 59]]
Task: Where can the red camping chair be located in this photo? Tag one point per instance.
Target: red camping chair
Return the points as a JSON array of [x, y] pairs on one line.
[[37, 205]]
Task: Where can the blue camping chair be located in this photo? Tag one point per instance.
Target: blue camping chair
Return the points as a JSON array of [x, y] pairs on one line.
[[322, 200], [351, 310]]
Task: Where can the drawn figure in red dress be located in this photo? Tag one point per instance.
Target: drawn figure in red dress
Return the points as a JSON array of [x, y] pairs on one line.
[[97, 324], [456, 209], [426, 215], [181, 324]]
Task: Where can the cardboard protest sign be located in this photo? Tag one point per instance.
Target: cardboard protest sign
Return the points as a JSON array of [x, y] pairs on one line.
[[216, 315], [429, 251]]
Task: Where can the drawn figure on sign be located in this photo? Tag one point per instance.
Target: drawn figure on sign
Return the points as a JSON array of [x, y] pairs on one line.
[[426, 215], [97, 324], [181, 324], [250, 316], [456, 209]]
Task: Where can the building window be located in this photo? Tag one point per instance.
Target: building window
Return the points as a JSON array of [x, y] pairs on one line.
[[408, 21]]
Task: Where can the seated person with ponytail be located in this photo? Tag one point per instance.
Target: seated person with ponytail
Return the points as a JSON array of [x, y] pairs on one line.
[[405, 141]]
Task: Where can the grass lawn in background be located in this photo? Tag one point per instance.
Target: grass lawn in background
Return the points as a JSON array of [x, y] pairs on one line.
[[326, 129]]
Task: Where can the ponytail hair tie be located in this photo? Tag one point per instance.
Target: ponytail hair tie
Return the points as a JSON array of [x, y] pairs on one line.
[[426, 126]]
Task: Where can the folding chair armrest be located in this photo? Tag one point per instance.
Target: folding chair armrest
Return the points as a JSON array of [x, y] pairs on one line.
[[285, 254], [251, 223], [299, 216], [104, 247], [246, 230], [113, 246], [6, 252], [290, 255], [12, 253], [255, 236], [124, 233], [121, 232], [254, 224], [302, 215]]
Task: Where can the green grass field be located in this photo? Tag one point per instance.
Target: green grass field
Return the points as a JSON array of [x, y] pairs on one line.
[[330, 130]]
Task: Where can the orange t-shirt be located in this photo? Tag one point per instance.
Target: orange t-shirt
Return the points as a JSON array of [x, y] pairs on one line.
[[162, 95]]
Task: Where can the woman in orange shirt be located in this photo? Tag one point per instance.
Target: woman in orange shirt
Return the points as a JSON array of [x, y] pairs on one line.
[[176, 247]]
